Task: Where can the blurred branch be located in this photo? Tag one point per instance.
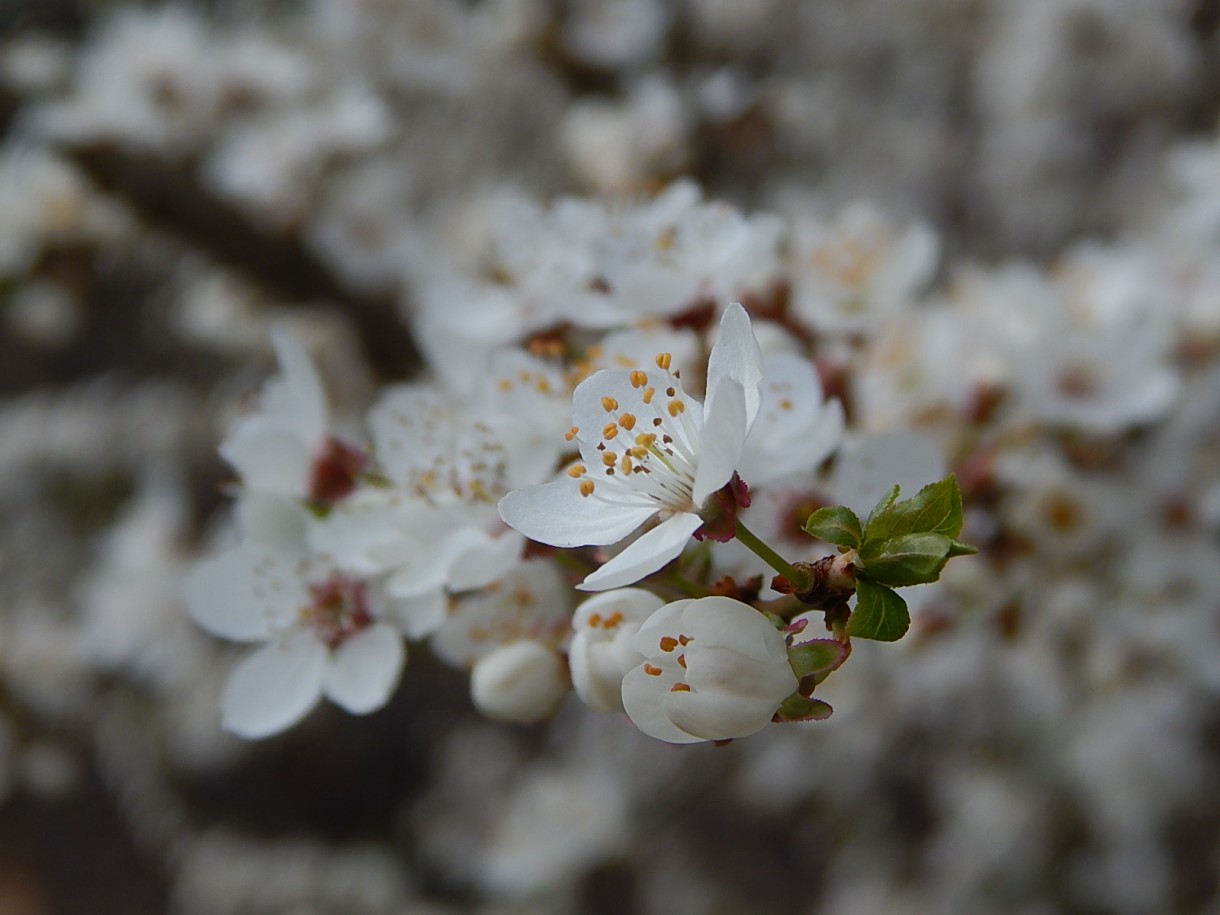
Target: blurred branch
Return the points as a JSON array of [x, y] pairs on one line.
[[178, 204]]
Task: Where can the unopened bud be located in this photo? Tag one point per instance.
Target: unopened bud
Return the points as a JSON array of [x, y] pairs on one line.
[[520, 682]]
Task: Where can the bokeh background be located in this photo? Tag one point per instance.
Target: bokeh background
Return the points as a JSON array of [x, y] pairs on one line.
[[177, 177]]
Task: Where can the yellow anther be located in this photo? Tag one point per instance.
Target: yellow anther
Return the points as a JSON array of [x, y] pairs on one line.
[[627, 421], [675, 407], [610, 458], [576, 471], [639, 379], [612, 620], [609, 404], [647, 396], [542, 385], [785, 404], [638, 452], [523, 375], [586, 487], [651, 671], [664, 360], [668, 643], [610, 431], [571, 433], [682, 661], [679, 688], [625, 464], [683, 640], [645, 439], [504, 384]]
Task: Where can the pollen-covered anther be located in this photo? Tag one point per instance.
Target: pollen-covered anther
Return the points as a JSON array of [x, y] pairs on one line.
[[679, 688], [675, 407], [609, 404], [684, 640], [664, 360], [610, 458], [576, 471], [627, 421], [625, 464], [682, 661], [613, 620], [668, 643], [652, 671], [571, 433], [595, 620], [647, 395], [586, 487], [639, 379], [610, 431]]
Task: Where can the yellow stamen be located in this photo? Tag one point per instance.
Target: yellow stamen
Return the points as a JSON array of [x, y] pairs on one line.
[[609, 404], [576, 471], [664, 360], [675, 407], [586, 488], [638, 379]]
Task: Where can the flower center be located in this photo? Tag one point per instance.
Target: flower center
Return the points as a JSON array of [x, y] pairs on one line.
[[648, 447], [338, 609], [336, 466]]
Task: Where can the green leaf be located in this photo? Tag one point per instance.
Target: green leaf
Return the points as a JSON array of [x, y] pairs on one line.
[[886, 501], [814, 656], [912, 559], [835, 524], [935, 509], [880, 614], [798, 708], [961, 549]]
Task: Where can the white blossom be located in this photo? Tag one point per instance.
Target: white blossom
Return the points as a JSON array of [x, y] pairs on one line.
[[714, 669], [649, 450]]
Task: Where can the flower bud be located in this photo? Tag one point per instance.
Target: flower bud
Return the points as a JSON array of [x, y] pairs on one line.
[[715, 669], [520, 682], [602, 652]]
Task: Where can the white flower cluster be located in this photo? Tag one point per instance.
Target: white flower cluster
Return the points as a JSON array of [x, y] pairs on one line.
[[346, 549]]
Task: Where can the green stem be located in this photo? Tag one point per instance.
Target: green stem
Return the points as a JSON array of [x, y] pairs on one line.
[[751, 541]]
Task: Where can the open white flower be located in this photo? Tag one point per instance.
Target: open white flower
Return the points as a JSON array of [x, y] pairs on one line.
[[320, 632], [715, 669], [648, 450]]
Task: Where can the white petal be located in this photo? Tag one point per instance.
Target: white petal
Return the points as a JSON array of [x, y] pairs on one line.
[[718, 716], [736, 357], [643, 557], [724, 434], [297, 398], [274, 687], [364, 670], [556, 513], [421, 614], [269, 456], [220, 597], [642, 700]]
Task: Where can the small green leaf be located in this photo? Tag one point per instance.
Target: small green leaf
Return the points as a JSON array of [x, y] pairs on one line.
[[798, 708], [814, 656], [835, 524], [935, 509], [912, 559], [958, 548], [880, 614], [886, 501]]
